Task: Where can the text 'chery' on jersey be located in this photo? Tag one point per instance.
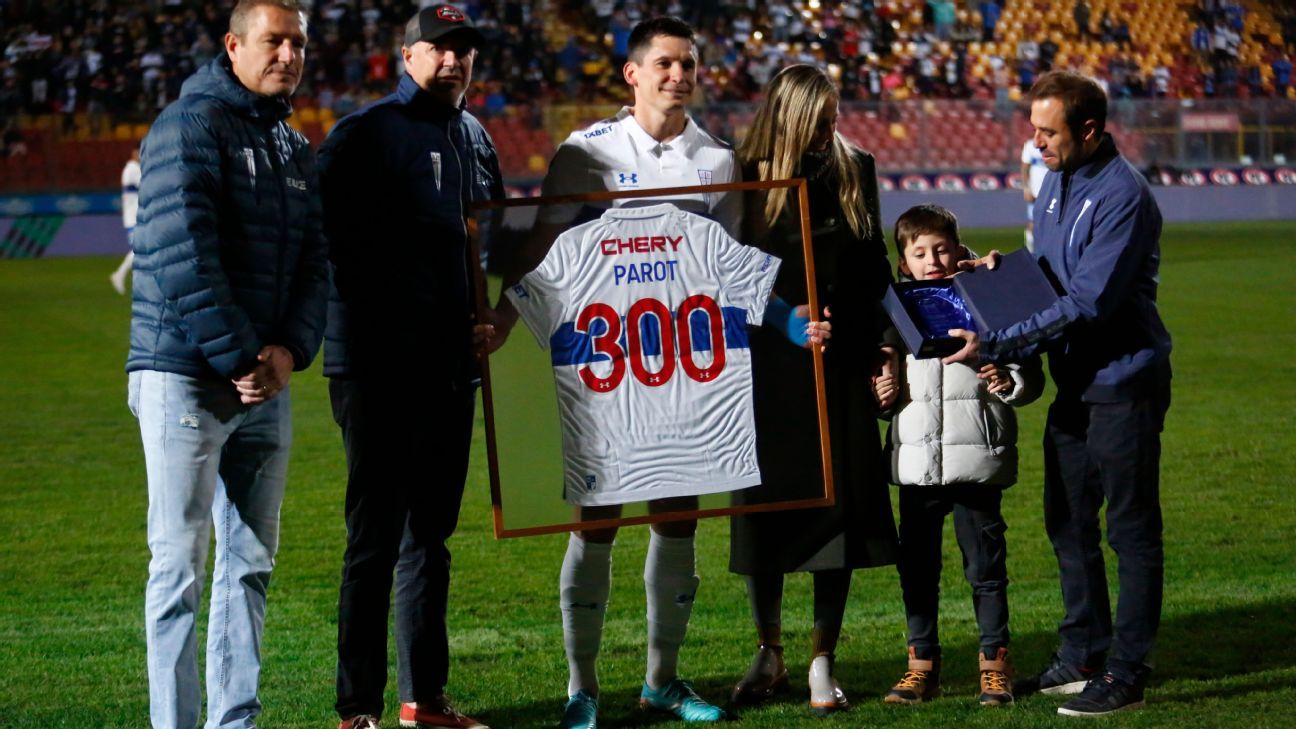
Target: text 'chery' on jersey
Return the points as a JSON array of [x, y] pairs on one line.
[[645, 313]]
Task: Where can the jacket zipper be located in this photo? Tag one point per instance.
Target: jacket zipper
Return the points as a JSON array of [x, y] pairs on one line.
[[277, 168]]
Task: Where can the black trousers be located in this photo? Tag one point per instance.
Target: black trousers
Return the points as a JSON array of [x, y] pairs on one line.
[[405, 481], [1095, 452], [979, 527]]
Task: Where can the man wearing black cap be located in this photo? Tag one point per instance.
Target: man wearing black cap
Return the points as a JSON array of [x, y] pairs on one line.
[[396, 179]]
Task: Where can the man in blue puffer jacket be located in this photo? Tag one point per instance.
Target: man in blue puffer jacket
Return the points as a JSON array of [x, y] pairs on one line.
[[231, 282], [397, 178]]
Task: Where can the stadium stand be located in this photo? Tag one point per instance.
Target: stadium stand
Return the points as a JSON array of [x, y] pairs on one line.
[[80, 80]]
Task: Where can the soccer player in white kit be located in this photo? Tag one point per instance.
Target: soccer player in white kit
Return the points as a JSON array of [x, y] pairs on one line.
[[1032, 174], [652, 144], [130, 180]]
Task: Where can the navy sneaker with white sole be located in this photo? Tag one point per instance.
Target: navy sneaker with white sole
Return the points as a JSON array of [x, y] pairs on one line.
[[1060, 678], [1104, 695]]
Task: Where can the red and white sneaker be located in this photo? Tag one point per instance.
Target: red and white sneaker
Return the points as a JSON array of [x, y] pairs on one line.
[[436, 713]]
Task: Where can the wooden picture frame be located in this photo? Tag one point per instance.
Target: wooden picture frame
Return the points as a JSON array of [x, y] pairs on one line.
[[502, 531]]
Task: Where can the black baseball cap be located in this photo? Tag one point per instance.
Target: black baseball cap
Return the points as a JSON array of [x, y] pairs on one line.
[[438, 21]]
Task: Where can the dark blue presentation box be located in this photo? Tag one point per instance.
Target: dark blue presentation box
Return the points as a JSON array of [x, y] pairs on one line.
[[981, 300]]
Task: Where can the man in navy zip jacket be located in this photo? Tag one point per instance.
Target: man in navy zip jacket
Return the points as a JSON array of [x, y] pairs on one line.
[[231, 284], [397, 178], [1097, 234]]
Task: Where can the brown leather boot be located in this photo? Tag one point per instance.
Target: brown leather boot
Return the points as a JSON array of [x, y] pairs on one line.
[[766, 676], [921, 681], [996, 679]]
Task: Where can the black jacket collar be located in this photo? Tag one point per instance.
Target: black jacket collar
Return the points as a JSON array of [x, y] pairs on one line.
[[413, 96]]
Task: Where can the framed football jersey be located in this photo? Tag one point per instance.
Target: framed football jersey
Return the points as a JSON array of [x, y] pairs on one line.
[[632, 401]]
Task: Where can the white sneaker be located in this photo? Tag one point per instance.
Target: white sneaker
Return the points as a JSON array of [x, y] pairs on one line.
[[826, 696]]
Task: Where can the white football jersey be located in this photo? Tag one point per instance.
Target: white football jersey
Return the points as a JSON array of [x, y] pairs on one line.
[[617, 154], [130, 181], [1031, 156], [645, 313]]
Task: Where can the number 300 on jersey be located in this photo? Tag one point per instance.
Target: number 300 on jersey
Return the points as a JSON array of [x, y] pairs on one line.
[[651, 329]]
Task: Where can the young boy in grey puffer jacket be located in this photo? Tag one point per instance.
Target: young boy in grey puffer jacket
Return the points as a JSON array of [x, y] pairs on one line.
[[953, 447]]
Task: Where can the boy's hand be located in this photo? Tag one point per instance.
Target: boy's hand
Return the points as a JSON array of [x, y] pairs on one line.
[[999, 379], [886, 388], [886, 379]]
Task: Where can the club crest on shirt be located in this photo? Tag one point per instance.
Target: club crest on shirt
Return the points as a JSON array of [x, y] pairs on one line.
[[704, 176], [627, 179], [436, 168], [1052, 205]]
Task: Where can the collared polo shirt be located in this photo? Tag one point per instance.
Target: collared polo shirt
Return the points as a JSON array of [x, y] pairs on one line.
[[617, 154]]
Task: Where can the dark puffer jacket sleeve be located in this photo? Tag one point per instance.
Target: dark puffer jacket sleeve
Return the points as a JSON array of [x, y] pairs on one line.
[[182, 183], [304, 326]]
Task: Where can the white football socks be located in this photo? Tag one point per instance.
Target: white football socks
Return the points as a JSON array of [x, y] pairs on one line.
[[583, 588], [670, 585]]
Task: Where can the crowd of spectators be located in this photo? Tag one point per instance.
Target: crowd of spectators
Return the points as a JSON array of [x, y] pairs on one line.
[[1216, 42], [126, 59]]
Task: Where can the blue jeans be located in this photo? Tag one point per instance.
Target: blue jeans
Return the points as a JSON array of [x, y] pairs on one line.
[[211, 461]]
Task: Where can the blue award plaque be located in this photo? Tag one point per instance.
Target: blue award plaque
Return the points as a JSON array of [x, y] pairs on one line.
[[939, 309], [978, 301], [924, 312]]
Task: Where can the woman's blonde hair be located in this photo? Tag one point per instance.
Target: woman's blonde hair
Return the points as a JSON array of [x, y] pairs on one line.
[[784, 125]]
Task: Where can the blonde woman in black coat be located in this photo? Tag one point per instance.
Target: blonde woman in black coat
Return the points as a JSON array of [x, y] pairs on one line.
[[794, 135]]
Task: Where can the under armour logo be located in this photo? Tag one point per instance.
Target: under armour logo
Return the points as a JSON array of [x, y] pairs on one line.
[[605, 385], [654, 379], [631, 177]]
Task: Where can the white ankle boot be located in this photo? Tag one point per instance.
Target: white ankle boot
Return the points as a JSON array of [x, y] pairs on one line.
[[825, 695]]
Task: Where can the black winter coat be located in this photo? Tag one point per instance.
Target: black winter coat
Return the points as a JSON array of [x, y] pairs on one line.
[[851, 275], [397, 177], [229, 254]]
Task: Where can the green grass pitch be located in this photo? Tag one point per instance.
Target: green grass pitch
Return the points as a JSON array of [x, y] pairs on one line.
[[73, 557]]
